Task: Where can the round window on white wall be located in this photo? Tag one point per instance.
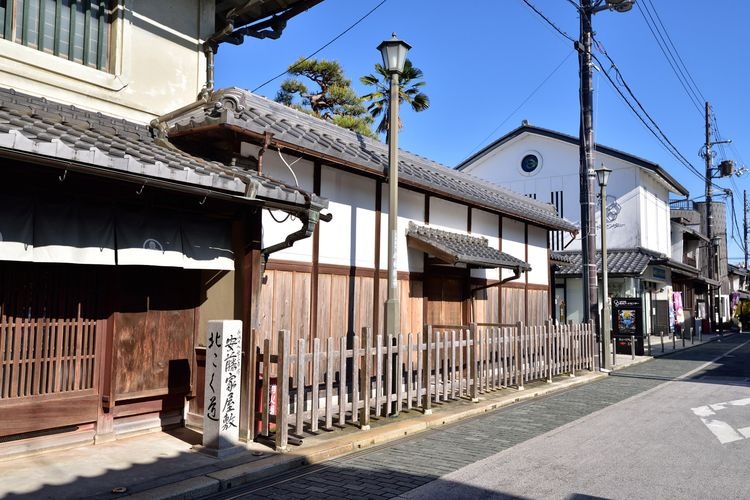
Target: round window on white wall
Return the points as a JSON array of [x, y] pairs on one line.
[[531, 163]]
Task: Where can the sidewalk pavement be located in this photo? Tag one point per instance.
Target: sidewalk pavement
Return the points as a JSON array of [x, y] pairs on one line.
[[164, 465]]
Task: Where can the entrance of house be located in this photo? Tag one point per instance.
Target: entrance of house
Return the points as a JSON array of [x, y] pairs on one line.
[[76, 340], [51, 340], [446, 292]]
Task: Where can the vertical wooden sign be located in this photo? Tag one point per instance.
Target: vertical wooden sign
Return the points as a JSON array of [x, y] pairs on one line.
[[222, 396]]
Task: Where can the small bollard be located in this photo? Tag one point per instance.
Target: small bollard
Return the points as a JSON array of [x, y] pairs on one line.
[[661, 334], [650, 353], [683, 338], [614, 351], [674, 342], [632, 347]]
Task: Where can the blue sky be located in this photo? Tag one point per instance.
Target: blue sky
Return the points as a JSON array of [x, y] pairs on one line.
[[483, 59]]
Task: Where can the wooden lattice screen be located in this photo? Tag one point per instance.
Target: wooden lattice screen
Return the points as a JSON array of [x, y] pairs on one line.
[[48, 336]]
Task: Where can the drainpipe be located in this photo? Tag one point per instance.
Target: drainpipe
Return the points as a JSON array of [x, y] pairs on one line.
[[267, 136], [310, 219], [516, 274], [211, 45]]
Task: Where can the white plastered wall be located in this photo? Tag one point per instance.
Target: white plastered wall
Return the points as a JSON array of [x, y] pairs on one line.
[[514, 243], [348, 239], [410, 209], [274, 231], [538, 256], [486, 225], [157, 64]]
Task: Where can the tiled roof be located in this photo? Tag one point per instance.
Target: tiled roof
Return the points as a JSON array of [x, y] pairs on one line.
[[42, 128], [622, 262], [254, 114], [461, 248]]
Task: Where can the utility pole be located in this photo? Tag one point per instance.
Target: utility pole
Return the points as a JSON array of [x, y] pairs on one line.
[[709, 217], [745, 225], [586, 168]]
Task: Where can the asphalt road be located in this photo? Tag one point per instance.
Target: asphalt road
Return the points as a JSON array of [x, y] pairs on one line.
[[674, 427]]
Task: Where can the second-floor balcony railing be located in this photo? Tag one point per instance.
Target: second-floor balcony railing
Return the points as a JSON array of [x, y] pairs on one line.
[[682, 205]]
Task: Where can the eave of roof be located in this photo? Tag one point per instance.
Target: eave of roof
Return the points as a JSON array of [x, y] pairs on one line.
[[454, 248], [620, 262], [34, 129], [305, 134], [530, 129]]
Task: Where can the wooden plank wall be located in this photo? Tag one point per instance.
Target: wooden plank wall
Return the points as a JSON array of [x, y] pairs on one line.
[[346, 303]]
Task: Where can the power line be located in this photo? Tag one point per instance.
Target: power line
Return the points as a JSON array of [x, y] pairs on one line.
[[533, 92], [661, 136], [665, 49], [554, 26], [679, 58], [323, 47]]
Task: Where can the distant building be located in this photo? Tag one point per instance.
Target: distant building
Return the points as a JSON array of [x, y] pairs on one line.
[[641, 235]]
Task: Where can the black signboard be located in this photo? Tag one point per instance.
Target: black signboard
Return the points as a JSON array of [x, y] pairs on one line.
[[627, 321]]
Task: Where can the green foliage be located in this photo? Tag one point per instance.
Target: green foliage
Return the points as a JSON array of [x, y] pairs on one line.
[[409, 92], [333, 99]]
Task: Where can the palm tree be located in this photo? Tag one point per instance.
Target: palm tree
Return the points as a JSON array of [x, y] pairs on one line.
[[409, 92]]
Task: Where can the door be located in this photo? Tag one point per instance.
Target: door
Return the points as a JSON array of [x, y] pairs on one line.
[[446, 292]]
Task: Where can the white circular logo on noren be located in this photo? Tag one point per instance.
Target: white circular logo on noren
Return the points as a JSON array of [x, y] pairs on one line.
[[152, 244]]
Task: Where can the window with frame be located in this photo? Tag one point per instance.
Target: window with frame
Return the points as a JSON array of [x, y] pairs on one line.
[[77, 30]]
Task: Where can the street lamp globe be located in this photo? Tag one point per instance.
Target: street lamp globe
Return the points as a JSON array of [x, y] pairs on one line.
[[394, 54], [602, 175]]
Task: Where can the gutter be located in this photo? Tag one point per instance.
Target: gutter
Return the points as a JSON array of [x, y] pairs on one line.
[[309, 218]]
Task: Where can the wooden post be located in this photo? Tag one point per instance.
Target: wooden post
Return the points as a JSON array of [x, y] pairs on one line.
[[473, 362], [329, 383], [399, 375], [342, 381], [519, 355], [265, 406], [315, 383], [389, 375], [300, 400], [427, 405], [364, 418], [282, 392], [356, 342], [548, 349]]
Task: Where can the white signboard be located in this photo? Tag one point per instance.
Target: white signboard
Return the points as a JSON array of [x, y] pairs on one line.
[[222, 392]]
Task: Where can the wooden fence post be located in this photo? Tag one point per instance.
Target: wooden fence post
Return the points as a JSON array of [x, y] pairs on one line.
[[282, 392], [365, 383], [427, 405], [473, 366], [549, 327], [519, 355]]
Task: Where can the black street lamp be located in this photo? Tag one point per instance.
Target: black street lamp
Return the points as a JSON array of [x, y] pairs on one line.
[[602, 176]]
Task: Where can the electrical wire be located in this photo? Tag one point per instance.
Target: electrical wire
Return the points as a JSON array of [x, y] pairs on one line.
[[553, 25], [528, 97], [668, 54], [323, 47], [659, 133]]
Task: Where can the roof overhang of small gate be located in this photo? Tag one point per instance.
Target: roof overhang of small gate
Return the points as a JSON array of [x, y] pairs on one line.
[[455, 248]]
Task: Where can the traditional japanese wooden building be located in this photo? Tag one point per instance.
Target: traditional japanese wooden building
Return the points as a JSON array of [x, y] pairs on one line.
[[120, 239]]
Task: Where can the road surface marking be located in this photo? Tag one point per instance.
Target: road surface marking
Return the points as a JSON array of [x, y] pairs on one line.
[[724, 432]]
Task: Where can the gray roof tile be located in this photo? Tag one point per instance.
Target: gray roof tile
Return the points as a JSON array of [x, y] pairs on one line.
[[38, 126], [632, 261], [240, 108], [462, 248]]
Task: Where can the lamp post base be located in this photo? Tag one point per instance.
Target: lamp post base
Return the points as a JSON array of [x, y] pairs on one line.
[[392, 317]]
